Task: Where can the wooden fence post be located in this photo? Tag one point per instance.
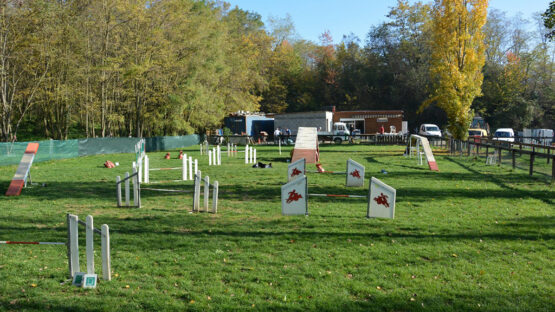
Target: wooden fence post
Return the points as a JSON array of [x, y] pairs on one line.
[[532, 163]]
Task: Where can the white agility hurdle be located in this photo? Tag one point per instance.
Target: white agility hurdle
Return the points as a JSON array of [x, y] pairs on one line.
[[380, 199], [354, 175], [88, 279], [197, 190], [186, 168], [250, 155], [215, 156], [136, 189], [231, 150], [140, 154]]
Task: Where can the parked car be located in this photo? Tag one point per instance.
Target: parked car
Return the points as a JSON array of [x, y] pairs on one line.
[[429, 130], [477, 133], [504, 134]]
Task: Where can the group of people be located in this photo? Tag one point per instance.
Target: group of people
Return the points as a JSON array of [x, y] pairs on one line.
[[282, 135]]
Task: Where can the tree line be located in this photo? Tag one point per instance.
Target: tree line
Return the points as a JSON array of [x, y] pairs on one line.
[[96, 68]]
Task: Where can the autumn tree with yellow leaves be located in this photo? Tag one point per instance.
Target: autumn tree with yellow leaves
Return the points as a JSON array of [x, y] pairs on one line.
[[457, 59]]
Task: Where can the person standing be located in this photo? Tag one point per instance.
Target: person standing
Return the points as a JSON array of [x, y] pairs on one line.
[[277, 134]]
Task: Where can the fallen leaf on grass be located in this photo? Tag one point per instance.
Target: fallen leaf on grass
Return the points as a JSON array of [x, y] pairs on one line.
[[412, 299], [454, 255], [33, 285], [378, 288], [192, 301], [126, 286]]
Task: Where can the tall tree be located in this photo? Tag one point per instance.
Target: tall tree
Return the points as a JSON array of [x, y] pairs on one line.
[[457, 59], [549, 20]]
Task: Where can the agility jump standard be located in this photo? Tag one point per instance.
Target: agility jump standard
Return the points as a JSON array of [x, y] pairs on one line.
[[136, 189], [196, 196], [214, 157], [250, 155], [88, 280], [381, 198], [72, 245], [354, 175]]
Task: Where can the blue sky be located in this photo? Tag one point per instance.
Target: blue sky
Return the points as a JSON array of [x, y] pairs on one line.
[[341, 17]]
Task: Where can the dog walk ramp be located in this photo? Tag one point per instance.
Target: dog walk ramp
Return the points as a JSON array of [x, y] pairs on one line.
[[306, 145], [20, 178]]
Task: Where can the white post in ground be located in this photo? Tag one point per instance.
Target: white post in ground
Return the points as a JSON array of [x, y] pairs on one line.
[[191, 168], [206, 192], [184, 167], [196, 195], [215, 197], [196, 165], [214, 156], [147, 170], [105, 247], [73, 228], [127, 189], [201, 148], [90, 244], [135, 189], [140, 169], [250, 154], [219, 155], [209, 158], [279, 146], [228, 150], [247, 154], [118, 190], [255, 155]]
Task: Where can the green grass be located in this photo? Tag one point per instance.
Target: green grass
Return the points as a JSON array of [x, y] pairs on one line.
[[471, 237]]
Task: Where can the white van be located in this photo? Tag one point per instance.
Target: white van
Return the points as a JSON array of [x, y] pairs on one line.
[[429, 130], [504, 134]]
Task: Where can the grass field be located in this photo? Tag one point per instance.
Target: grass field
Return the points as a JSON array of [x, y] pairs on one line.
[[471, 237]]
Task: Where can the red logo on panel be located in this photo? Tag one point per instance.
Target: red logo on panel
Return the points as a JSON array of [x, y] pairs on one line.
[[295, 172], [293, 196], [382, 200], [356, 174]]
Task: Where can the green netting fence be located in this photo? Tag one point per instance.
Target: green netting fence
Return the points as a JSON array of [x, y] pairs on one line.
[[11, 153]]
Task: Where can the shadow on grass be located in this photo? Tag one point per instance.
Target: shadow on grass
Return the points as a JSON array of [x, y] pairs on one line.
[[456, 300]]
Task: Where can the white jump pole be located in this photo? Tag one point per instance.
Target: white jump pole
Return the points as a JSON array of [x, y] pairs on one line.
[[118, 190], [191, 168], [279, 146], [214, 156], [201, 144], [228, 150], [127, 189], [209, 158], [140, 169], [105, 247], [90, 244], [254, 157], [219, 156], [250, 154], [215, 197], [147, 169], [135, 189], [247, 154], [196, 165], [74, 244], [206, 192], [184, 164]]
